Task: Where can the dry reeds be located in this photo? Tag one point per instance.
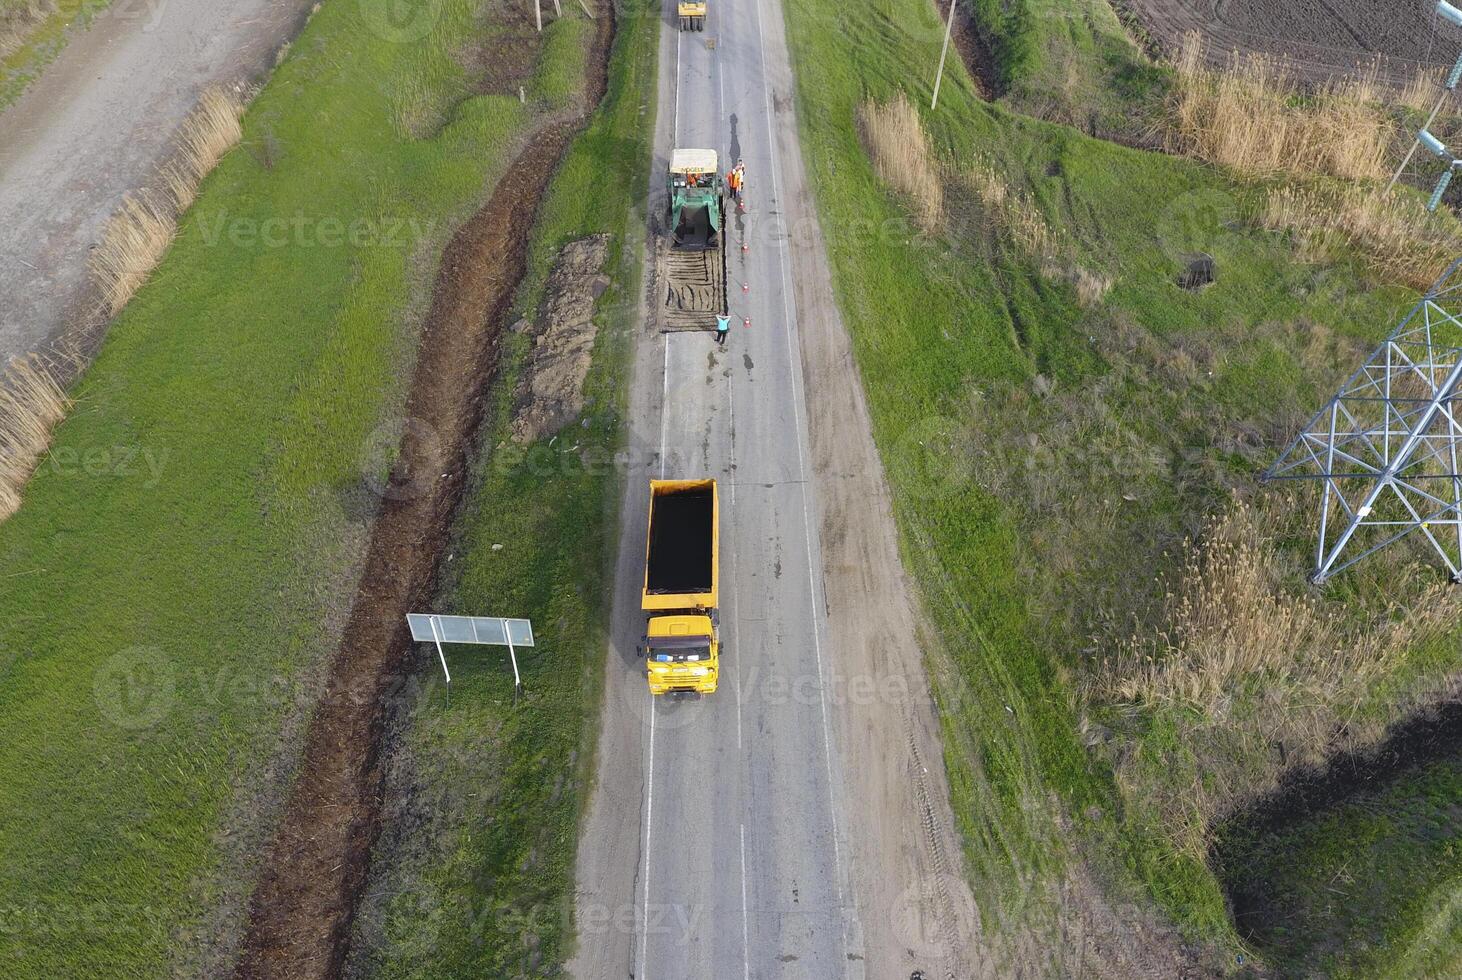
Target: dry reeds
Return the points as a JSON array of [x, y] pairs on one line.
[[894, 137], [140, 232], [16, 24], [1396, 234], [1013, 211], [1229, 620], [1422, 89], [213, 128], [1091, 287], [1255, 118], [10, 41], [137, 236], [32, 402]]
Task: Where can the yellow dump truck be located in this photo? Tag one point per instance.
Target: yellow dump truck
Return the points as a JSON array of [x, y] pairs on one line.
[[680, 646], [692, 15]]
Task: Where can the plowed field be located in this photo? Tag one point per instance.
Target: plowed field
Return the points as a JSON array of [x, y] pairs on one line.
[[1318, 37]]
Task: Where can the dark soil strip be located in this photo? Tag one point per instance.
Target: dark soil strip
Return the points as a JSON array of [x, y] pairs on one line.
[[974, 51], [1305, 796], [304, 905], [1425, 738]]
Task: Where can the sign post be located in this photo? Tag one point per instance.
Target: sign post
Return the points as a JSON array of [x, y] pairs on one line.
[[479, 630], [437, 639]]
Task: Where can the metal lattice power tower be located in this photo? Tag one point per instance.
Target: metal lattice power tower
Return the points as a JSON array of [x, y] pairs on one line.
[[1387, 446]]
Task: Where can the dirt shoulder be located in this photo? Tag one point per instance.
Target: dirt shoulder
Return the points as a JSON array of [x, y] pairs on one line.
[[914, 903]]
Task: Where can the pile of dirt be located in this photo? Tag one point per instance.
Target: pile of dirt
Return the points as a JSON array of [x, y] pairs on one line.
[[551, 393], [1318, 38]]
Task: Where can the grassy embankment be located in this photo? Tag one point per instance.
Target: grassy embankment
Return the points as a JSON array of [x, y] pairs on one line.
[[32, 33], [475, 873], [1057, 417], [185, 555]]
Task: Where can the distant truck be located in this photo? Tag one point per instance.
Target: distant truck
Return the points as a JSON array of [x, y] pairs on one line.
[[680, 646], [692, 15], [695, 266]]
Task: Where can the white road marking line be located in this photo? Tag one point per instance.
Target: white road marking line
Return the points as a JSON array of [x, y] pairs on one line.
[[720, 91], [731, 406], [793, 365], [675, 126], [736, 578], [664, 406], [643, 972], [745, 938]]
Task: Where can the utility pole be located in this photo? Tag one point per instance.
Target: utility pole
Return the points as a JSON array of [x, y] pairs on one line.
[[538, 14], [944, 51]]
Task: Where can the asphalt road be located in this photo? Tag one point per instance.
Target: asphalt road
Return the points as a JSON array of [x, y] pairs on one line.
[[731, 851], [95, 126]]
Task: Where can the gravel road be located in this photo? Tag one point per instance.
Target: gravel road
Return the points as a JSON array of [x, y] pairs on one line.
[[796, 823], [95, 126]]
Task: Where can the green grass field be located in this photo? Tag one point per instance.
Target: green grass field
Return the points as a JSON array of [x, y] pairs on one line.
[[475, 873], [1049, 458], [184, 558]]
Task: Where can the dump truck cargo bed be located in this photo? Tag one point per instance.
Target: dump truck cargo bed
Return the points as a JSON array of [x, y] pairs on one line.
[[681, 555]]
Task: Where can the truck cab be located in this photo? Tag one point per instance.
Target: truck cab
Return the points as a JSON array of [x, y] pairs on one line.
[[682, 654]]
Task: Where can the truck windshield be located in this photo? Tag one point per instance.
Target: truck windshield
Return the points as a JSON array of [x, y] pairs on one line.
[[682, 655]]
